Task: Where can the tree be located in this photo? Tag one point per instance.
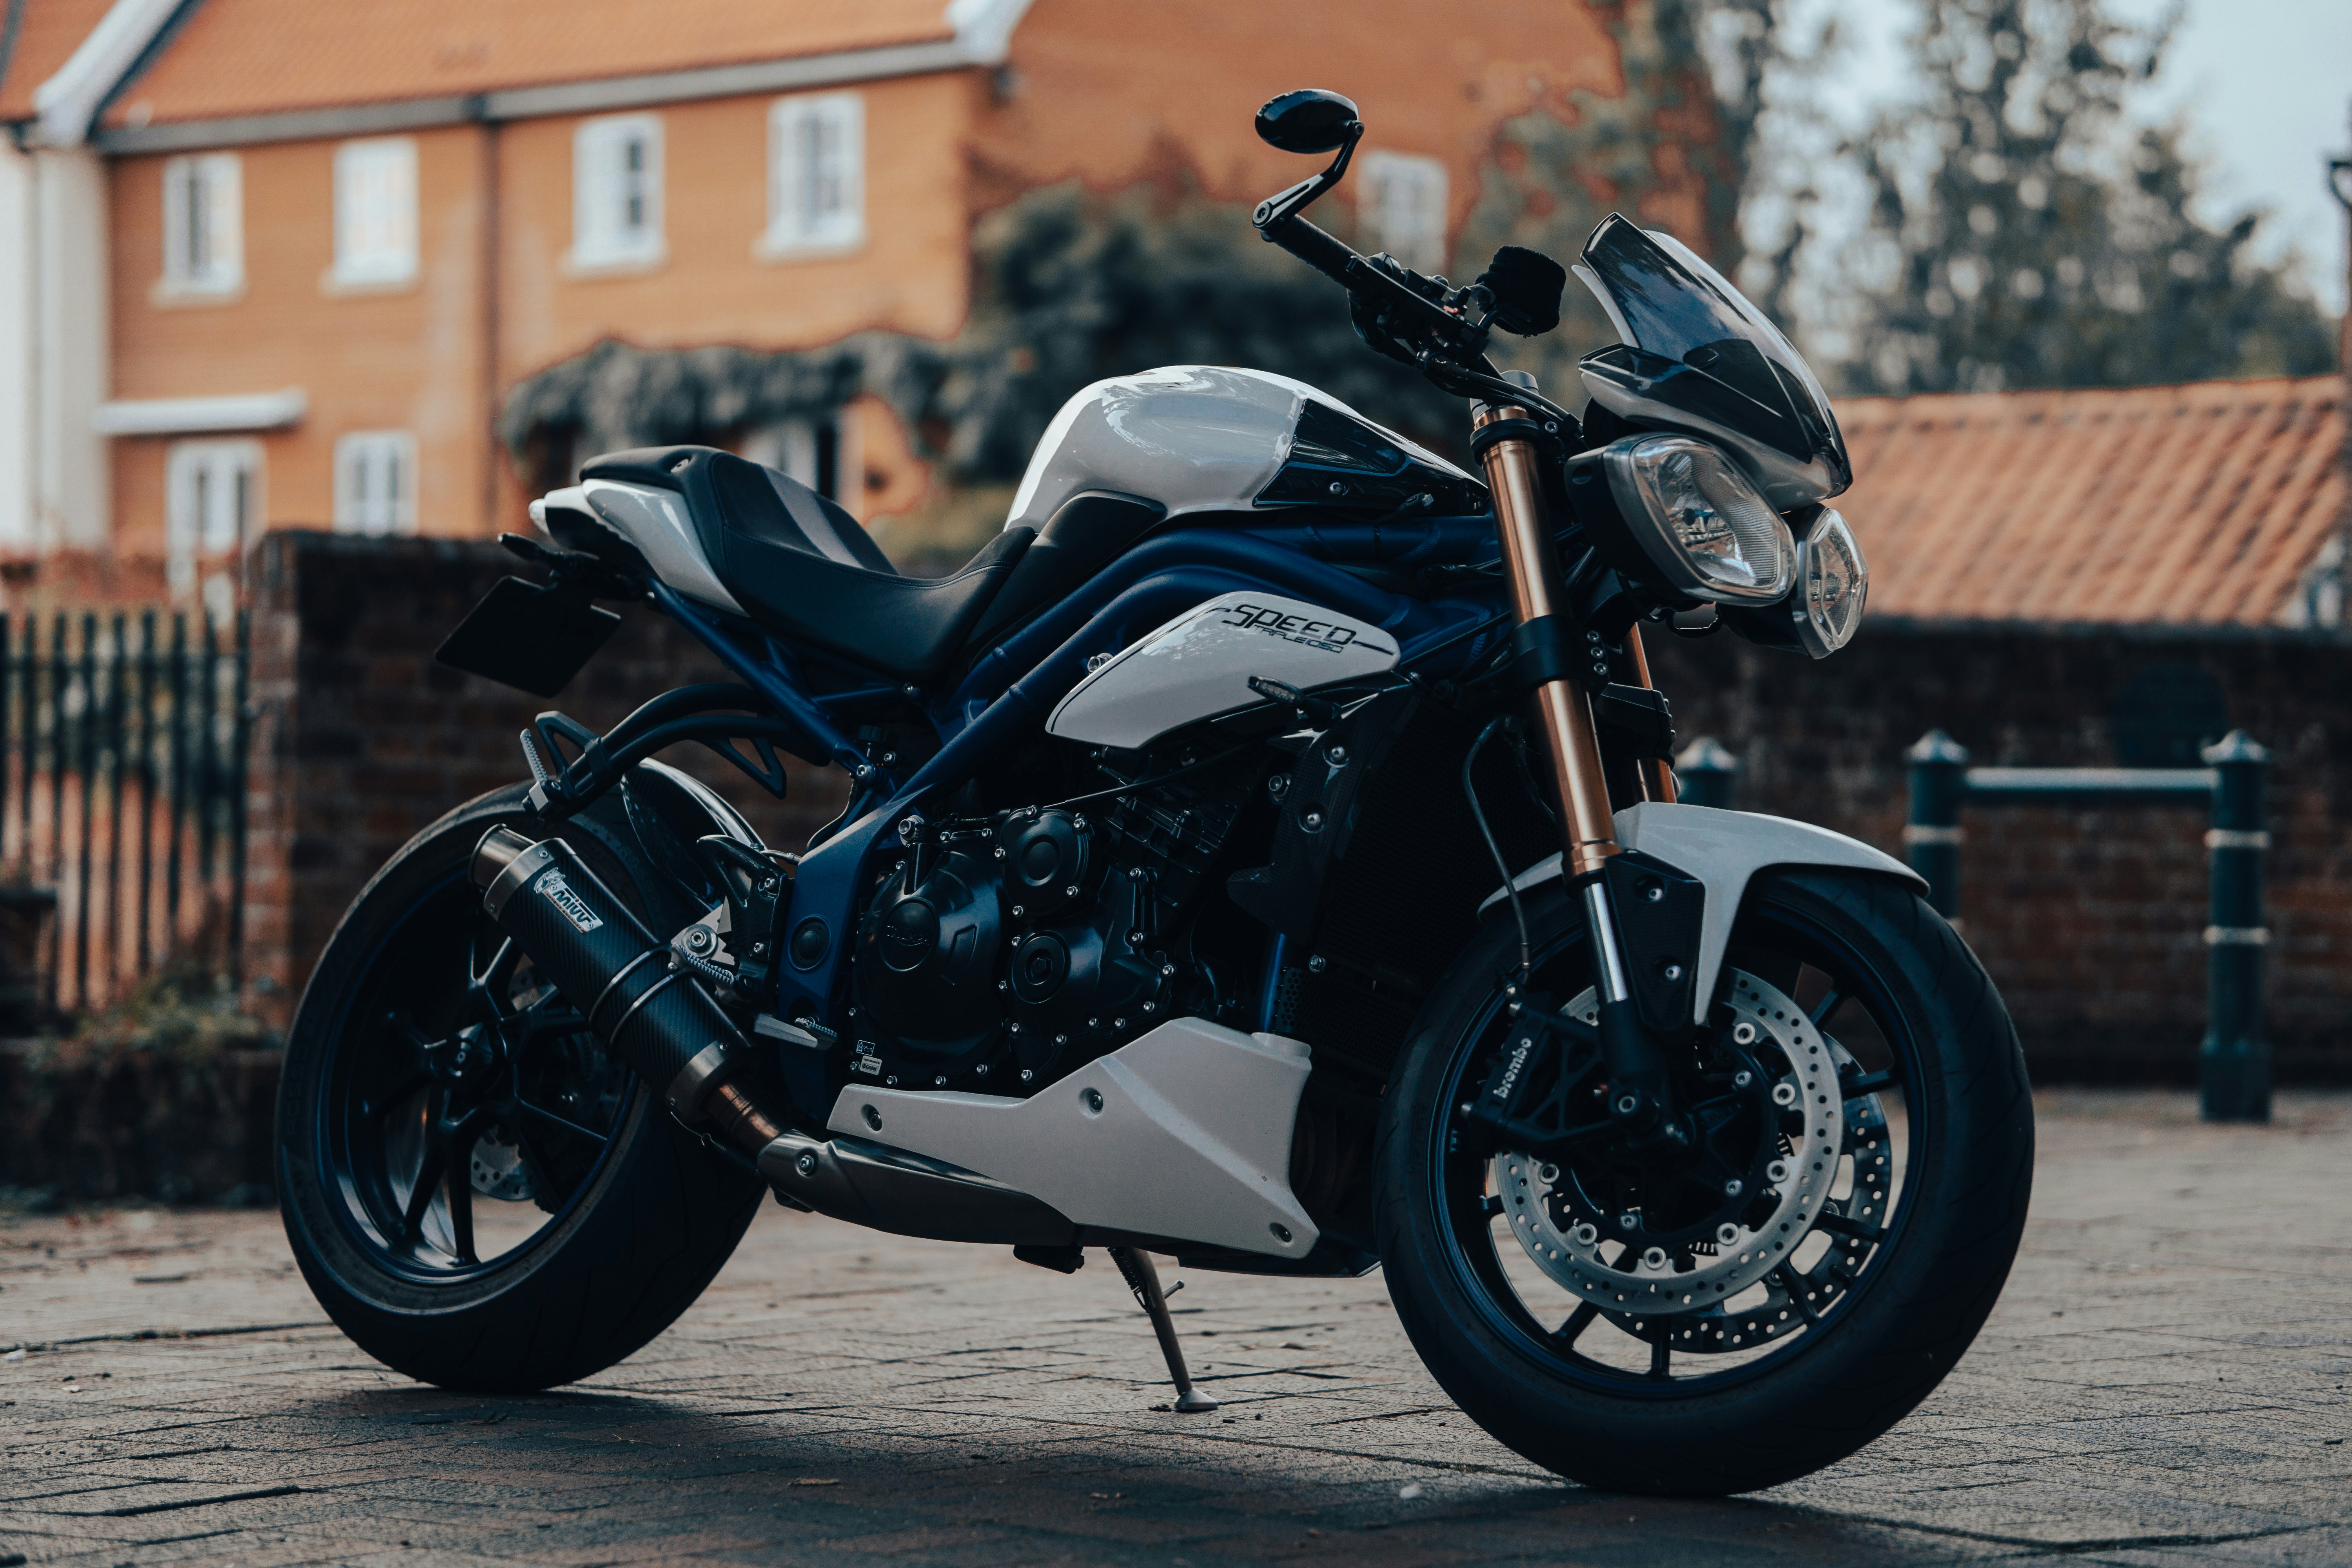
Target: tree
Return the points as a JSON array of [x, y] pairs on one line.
[[2020, 231]]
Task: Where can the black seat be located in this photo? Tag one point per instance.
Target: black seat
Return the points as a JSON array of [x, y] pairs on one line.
[[801, 566]]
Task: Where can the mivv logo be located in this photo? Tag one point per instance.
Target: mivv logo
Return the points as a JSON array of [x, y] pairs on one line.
[[557, 891]]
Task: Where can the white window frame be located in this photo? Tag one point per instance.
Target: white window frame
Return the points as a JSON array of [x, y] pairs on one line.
[[791, 447], [212, 504], [375, 213], [1404, 207], [793, 228], [360, 507], [203, 225], [602, 236]]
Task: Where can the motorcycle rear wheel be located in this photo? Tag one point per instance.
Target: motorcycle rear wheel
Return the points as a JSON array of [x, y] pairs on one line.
[[1729, 1398], [568, 1219]]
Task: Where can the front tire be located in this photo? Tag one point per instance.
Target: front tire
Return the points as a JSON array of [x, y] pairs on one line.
[[508, 1221], [1800, 1370]]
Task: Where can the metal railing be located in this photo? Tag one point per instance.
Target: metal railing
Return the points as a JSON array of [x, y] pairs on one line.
[[2233, 1062], [123, 762]]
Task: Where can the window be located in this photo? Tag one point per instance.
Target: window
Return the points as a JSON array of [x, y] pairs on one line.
[[809, 450], [375, 482], [616, 191], [212, 502], [816, 173], [1404, 208], [376, 211], [203, 225]]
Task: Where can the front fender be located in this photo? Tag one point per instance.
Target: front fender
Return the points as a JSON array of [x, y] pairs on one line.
[[1725, 849]]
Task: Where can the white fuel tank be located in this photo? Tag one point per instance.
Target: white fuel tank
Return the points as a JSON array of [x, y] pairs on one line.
[[1199, 666], [1199, 439]]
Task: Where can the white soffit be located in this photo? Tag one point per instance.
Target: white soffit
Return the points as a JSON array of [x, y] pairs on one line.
[[199, 416], [984, 28], [68, 100]]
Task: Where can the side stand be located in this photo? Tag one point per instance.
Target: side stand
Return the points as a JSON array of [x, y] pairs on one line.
[[1144, 1281]]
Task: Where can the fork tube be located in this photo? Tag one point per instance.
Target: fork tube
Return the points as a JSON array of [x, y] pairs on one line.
[[1524, 528], [1657, 774]]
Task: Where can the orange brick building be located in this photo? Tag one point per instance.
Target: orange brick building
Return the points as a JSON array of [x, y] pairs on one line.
[[280, 261]]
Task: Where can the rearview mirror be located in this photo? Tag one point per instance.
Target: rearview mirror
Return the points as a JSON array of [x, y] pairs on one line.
[[1308, 121]]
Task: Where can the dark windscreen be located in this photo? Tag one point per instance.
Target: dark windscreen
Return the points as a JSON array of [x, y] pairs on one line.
[[1668, 302]]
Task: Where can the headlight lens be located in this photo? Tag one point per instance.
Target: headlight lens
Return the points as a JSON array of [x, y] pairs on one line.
[[1835, 581], [1708, 529]]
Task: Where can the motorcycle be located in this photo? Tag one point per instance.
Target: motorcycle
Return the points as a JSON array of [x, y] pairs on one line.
[[1265, 852]]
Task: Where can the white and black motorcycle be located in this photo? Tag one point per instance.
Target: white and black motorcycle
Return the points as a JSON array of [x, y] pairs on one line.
[[1264, 852]]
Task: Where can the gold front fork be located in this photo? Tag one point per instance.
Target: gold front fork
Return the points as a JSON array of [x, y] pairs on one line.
[[1524, 526]]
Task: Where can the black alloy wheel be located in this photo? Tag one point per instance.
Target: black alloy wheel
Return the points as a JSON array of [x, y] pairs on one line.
[[477, 1193], [1742, 1302]]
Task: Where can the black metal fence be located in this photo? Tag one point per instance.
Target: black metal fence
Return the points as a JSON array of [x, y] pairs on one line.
[[123, 742]]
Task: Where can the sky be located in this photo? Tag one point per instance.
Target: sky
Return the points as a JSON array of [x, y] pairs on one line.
[[2267, 88]]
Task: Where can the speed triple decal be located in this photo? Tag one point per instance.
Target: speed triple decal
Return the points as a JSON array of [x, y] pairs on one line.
[[1328, 635]]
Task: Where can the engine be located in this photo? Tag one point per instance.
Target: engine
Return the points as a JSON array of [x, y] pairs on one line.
[[1001, 951]]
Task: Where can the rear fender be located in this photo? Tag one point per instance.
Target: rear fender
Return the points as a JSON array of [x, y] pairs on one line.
[[1725, 850]]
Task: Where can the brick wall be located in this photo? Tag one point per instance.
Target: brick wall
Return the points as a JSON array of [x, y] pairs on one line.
[[2091, 918], [360, 739]]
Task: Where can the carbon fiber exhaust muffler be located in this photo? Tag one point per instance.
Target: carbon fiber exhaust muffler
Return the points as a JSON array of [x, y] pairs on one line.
[[637, 996]]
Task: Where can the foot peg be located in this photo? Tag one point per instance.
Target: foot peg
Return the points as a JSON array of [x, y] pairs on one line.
[[1144, 1281]]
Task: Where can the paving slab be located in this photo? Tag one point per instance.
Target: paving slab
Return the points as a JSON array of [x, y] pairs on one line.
[[2164, 1383]]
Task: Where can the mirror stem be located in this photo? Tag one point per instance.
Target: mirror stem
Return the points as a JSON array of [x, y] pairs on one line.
[[1300, 196]]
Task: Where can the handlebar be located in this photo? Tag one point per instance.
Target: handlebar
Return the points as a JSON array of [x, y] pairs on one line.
[[1459, 339]]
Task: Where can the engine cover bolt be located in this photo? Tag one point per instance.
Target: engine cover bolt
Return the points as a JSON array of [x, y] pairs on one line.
[[940, 1081], [1339, 755], [1026, 1075]]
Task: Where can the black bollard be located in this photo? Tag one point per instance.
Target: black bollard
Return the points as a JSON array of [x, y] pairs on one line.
[[1705, 773], [1932, 834], [2234, 1064]]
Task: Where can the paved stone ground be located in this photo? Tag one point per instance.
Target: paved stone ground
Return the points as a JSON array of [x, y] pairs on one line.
[[2165, 1382]]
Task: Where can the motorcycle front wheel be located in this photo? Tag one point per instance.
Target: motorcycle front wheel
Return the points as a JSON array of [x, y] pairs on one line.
[[478, 1194], [1880, 1220]]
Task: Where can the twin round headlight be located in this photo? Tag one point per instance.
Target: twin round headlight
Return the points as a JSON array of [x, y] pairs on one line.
[[1703, 531]]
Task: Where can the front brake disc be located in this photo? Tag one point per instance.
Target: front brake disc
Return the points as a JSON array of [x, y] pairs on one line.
[[1649, 1281]]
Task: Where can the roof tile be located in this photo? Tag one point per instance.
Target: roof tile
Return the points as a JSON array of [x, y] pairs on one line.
[[237, 58], [2198, 503]]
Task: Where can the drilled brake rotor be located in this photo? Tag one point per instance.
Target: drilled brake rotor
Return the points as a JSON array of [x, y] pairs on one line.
[[1622, 1262]]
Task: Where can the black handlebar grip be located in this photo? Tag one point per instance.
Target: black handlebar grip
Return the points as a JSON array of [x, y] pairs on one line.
[[652, 1011], [1311, 245]]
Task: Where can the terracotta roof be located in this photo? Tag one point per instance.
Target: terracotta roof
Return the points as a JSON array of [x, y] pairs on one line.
[[46, 35], [2206, 502], [238, 58]]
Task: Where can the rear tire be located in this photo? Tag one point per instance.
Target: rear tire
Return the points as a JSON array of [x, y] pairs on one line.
[[1779, 1408], [628, 1230]]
